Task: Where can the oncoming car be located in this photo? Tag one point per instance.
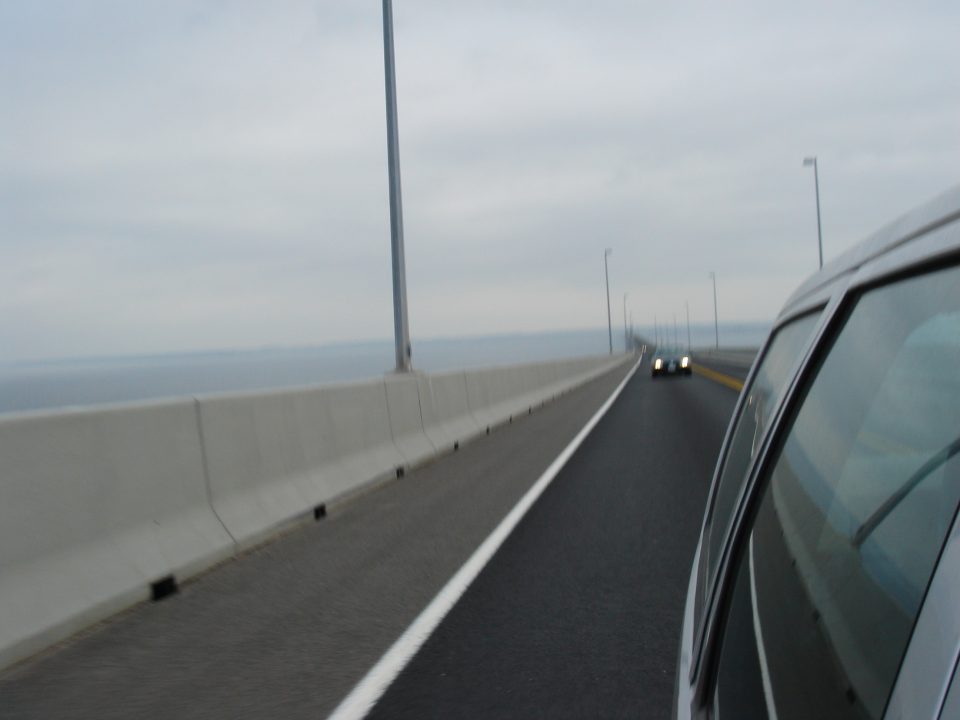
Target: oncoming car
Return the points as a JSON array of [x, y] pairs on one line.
[[670, 362], [826, 582]]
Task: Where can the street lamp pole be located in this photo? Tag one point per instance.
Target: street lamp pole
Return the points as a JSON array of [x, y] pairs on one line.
[[816, 184], [687, 303], [401, 325], [606, 274], [716, 324], [625, 342]]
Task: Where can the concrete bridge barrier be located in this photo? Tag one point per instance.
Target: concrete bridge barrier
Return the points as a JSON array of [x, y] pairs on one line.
[[102, 508], [486, 394], [737, 357], [404, 407], [273, 457], [97, 505], [447, 419]]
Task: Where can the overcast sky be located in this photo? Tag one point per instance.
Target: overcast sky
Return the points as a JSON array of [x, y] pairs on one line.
[[190, 175]]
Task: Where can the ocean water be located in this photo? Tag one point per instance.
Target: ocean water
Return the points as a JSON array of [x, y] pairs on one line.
[[94, 381]]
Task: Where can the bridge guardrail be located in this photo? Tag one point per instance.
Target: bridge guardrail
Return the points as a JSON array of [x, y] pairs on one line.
[[96, 506], [738, 357], [445, 412], [100, 505]]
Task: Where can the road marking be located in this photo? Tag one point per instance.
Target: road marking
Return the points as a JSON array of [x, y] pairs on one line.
[[761, 650], [366, 693], [731, 382]]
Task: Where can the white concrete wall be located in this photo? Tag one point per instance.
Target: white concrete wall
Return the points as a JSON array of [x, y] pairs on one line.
[[94, 507], [406, 419], [272, 457], [447, 418], [98, 504]]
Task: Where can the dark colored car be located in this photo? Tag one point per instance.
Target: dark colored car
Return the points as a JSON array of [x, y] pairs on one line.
[[826, 582], [670, 362]]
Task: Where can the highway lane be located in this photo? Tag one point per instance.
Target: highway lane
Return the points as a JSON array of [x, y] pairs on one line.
[[579, 612]]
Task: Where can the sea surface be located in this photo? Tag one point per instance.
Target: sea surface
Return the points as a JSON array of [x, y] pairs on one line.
[[61, 383]]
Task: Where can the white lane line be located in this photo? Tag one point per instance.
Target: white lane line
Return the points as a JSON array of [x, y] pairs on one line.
[[366, 693], [761, 651]]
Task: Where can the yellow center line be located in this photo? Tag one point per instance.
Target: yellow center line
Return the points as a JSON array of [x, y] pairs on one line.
[[731, 382]]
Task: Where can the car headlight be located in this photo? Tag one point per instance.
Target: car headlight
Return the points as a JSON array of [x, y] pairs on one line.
[[657, 364], [685, 362]]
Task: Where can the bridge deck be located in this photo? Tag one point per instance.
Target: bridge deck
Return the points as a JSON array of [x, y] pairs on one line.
[[580, 606]]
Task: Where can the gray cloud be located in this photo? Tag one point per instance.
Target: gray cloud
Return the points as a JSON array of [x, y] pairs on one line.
[[202, 174]]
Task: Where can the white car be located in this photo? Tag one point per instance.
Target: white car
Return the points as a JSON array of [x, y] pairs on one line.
[[826, 583]]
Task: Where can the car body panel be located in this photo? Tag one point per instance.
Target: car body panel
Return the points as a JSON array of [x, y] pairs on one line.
[[923, 237], [922, 685]]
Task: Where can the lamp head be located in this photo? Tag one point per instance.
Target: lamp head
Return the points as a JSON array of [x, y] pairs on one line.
[[808, 161]]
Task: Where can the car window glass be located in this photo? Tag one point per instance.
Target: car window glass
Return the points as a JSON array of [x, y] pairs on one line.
[[861, 497], [768, 383]]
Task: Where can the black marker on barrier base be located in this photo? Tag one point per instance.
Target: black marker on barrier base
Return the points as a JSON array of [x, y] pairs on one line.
[[163, 587]]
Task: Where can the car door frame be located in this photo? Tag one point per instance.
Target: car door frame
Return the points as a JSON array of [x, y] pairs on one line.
[[919, 687]]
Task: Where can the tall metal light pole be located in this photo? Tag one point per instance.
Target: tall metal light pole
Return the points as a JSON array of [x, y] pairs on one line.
[[606, 274], [816, 184], [401, 326], [716, 324], [676, 337], [625, 348], [687, 303]]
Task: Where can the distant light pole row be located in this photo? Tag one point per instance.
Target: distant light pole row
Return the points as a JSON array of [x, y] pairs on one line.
[[686, 304], [606, 274], [716, 323], [401, 324], [625, 339], [807, 162], [607, 252]]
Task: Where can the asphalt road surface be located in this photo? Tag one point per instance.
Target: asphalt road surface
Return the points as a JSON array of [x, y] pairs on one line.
[[577, 614]]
